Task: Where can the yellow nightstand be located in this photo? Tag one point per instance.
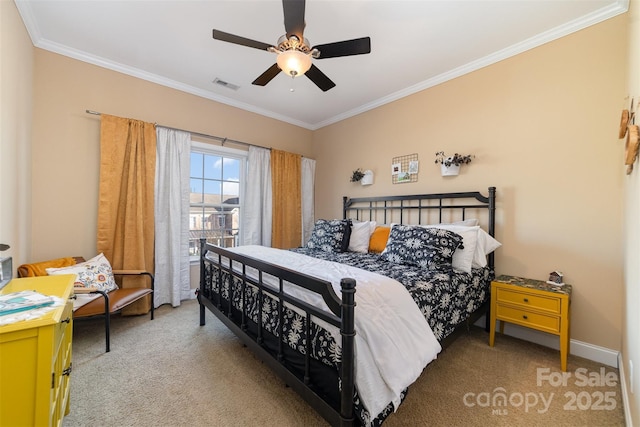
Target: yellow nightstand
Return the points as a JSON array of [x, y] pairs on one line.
[[35, 358], [534, 304]]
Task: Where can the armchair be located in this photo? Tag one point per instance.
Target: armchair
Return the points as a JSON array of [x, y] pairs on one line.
[[114, 298]]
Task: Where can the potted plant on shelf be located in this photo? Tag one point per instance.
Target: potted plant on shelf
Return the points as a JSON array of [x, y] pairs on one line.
[[364, 177], [357, 175], [450, 165]]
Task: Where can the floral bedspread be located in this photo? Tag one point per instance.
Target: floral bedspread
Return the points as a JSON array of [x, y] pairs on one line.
[[445, 298]]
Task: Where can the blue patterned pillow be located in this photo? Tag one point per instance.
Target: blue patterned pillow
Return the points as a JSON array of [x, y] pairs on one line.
[[424, 247], [330, 235]]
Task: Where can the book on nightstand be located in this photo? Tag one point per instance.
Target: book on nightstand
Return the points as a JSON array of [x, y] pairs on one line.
[[16, 302]]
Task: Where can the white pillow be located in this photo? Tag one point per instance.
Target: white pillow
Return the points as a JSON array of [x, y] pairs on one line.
[[486, 245], [466, 222], [360, 235], [462, 258], [94, 273]]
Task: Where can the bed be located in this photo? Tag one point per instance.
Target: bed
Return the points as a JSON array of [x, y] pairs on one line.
[[296, 309]]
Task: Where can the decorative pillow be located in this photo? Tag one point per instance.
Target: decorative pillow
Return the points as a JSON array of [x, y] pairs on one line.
[[486, 245], [330, 235], [94, 273], [464, 255], [360, 235], [379, 237], [424, 247]]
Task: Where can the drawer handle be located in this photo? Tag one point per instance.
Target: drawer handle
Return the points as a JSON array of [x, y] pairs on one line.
[[526, 300], [524, 316], [67, 320]]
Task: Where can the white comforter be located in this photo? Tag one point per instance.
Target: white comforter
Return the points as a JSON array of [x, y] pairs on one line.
[[393, 340]]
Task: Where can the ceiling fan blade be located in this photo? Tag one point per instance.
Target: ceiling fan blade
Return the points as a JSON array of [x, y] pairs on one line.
[[231, 38], [344, 48], [319, 78], [294, 18], [267, 76]]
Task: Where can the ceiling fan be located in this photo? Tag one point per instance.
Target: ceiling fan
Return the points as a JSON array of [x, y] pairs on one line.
[[295, 52]]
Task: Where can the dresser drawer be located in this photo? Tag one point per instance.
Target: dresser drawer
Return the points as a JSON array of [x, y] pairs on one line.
[[527, 300], [526, 318], [63, 327], [61, 366]]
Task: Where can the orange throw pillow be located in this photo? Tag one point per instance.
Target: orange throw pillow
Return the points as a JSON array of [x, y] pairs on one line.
[[379, 237]]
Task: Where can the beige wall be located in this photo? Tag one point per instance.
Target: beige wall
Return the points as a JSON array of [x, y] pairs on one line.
[[543, 128], [630, 338], [66, 141], [541, 124], [16, 73]]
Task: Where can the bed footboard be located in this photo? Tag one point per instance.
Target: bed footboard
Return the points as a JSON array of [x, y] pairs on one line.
[[218, 264]]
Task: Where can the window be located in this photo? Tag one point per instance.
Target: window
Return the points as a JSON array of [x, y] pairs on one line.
[[216, 180]]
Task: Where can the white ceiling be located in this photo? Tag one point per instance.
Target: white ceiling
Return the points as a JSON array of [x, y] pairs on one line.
[[414, 45]]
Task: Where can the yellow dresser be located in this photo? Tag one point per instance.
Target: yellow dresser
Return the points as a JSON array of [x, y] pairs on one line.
[[534, 304], [35, 358]]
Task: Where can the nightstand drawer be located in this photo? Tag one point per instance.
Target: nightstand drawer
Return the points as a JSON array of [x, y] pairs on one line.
[[529, 319], [527, 300], [62, 328]]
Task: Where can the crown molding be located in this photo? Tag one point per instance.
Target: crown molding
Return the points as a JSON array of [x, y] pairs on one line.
[[617, 8], [621, 6]]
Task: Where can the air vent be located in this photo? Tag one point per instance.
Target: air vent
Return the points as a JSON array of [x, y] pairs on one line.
[[228, 85]]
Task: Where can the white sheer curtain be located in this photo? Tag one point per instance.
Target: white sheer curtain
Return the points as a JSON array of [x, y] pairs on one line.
[[257, 207], [172, 281], [308, 173]]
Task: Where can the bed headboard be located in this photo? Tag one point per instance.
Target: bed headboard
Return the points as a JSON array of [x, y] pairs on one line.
[[426, 209]]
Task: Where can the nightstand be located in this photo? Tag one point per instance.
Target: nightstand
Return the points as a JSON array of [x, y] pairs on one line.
[[534, 304], [36, 358]]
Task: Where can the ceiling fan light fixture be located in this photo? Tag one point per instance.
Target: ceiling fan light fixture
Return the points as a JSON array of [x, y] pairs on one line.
[[293, 62], [294, 52]]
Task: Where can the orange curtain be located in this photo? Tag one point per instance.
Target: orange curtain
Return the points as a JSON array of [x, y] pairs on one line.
[[126, 199], [286, 230]]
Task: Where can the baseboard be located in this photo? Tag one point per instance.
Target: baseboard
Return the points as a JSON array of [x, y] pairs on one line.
[[592, 352], [625, 391]]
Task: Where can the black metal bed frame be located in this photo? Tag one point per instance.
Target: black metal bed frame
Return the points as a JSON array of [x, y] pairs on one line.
[[342, 309], [422, 203]]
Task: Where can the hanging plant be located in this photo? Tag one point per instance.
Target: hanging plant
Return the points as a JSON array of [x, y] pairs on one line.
[[456, 159], [357, 175]]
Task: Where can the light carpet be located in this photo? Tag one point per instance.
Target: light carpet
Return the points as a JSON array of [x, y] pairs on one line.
[[173, 372]]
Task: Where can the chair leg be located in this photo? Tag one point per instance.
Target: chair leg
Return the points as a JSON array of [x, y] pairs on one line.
[[107, 325], [107, 319], [153, 289]]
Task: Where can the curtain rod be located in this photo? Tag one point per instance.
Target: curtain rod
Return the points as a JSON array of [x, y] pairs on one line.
[[204, 135]]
